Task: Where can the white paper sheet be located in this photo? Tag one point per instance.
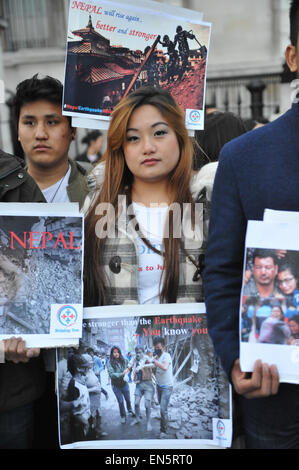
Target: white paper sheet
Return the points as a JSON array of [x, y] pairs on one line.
[[200, 403], [106, 48], [274, 342], [41, 273]]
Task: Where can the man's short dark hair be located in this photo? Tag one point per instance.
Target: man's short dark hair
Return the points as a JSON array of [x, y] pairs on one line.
[[264, 253], [159, 339], [37, 89], [294, 21], [90, 136]]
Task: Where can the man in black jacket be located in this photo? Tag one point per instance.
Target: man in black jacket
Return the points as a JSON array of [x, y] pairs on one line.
[[46, 135], [15, 183], [22, 375]]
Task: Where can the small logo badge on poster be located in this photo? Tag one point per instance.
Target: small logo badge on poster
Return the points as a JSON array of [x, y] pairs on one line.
[[67, 315], [222, 432], [66, 320], [194, 119], [220, 427], [194, 116]]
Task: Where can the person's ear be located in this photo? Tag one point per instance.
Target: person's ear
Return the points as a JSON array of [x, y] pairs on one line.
[[291, 58]]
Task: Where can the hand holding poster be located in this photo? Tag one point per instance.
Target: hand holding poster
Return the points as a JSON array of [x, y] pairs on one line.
[[114, 48], [144, 376], [41, 273], [269, 310]]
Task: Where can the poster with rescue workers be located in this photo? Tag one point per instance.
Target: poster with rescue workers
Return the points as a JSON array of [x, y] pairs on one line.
[[144, 376], [115, 48], [41, 261]]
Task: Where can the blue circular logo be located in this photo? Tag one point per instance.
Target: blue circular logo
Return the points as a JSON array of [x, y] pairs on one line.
[[220, 427], [67, 315], [194, 116]]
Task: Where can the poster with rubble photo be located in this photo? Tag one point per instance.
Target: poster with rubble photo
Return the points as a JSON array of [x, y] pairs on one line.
[[113, 48], [144, 376], [41, 261], [269, 307]]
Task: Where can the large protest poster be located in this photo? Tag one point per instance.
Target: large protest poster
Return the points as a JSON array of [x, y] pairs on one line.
[[114, 48], [269, 307], [97, 398], [41, 264]]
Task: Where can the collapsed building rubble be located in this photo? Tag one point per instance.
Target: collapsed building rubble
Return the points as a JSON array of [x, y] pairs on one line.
[[200, 384], [46, 276], [189, 92]]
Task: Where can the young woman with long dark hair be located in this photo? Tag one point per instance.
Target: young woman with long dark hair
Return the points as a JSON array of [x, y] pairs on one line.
[[117, 367], [145, 233], [146, 175]]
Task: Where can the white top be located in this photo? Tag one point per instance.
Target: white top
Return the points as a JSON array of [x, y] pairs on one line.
[[151, 222], [164, 377], [92, 157], [58, 191]]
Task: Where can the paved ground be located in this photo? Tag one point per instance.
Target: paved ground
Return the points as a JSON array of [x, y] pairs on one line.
[[111, 417]]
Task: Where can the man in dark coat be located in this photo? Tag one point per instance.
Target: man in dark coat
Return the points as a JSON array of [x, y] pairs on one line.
[[22, 375], [256, 171], [15, 183]]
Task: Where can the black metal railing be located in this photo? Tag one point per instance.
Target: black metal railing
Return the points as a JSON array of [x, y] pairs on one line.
[[254, 97]]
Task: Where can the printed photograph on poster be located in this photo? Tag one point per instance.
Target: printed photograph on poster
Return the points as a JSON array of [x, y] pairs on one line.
[[113, 49], [270, 297], [143, 375], [269, 308], [41, 278]]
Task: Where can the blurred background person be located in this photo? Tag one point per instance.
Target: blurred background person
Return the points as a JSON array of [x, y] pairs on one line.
[[93, 153], [294, 327], [252, 124], [220, 128]]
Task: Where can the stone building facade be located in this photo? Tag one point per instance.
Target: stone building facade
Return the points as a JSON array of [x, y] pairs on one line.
[[247, 45]]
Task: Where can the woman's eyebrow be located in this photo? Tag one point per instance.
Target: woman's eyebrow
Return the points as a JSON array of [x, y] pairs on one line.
[[160, 122], [153, 125]]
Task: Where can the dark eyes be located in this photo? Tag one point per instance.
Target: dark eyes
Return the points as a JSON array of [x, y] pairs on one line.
[[158, 133], [50, 122], [132, 138]]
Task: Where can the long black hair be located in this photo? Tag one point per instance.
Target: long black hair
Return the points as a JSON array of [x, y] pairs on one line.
[[121, 359], [220, 128]]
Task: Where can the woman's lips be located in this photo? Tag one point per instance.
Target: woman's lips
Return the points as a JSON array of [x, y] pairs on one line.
[[150, 161]]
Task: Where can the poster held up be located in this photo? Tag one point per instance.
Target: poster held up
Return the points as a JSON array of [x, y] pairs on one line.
[[198, 414], [114, 48], [41, 291], [269, 306]]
